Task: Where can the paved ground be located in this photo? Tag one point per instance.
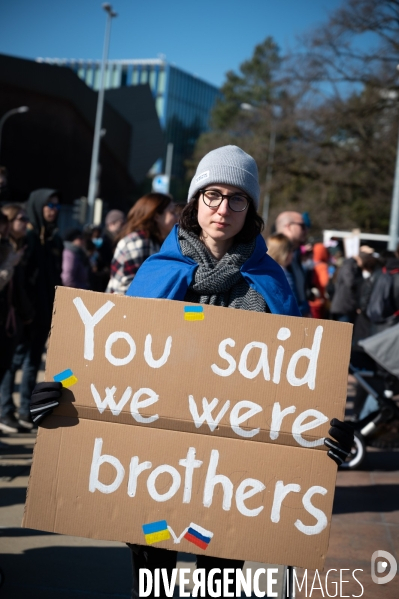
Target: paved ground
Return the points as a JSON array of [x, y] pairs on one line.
[[365, 519], [47, 566], [39, 565], [43, 566]]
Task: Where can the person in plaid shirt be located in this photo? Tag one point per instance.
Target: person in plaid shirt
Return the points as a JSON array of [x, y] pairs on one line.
[[148, 223]]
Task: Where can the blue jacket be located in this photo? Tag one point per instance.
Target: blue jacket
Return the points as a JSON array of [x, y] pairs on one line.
[[168, 274]]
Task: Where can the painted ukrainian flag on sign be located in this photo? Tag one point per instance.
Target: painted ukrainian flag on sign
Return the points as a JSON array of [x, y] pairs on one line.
[[193, 313], [198, 535], [156, 532], [66, 378]]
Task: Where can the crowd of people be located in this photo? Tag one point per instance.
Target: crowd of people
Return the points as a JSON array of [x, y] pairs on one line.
[[34, 259], [362, 290], [216, 255], [328, 285]]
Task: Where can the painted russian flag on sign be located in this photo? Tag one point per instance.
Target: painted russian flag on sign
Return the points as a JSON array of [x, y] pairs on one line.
[[198, 535], [193, 313]]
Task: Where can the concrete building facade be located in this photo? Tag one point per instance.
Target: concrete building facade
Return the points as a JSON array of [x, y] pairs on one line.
[[51, 144], [183, 101]]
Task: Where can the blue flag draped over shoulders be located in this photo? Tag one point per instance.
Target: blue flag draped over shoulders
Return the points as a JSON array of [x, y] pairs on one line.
[[168, 274]]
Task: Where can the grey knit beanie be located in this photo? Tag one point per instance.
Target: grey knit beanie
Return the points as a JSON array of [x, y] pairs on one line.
[[229, 165]]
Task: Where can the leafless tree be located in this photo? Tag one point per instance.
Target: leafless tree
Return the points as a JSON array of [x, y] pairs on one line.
[[334, 107]]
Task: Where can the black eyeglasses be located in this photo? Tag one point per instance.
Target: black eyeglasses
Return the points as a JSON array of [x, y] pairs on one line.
[[213, 198], [302, 225], [22, 219], [53, 206]]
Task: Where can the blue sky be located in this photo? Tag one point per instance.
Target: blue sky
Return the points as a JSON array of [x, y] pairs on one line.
[[206, 38]]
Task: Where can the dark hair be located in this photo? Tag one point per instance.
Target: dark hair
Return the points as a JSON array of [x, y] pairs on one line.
[[73, 234], [11, 211], [141, 216], [369, 262], [386, 255], [253, 224], [5, 247]]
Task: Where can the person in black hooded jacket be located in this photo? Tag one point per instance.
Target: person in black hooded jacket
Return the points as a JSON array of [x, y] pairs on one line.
[[43, 260], [44, 250]]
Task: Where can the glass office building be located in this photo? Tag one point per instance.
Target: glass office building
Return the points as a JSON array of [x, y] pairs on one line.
[[183, 101]]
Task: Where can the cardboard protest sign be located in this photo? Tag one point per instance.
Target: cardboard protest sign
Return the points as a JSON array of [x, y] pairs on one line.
[[194, 428]]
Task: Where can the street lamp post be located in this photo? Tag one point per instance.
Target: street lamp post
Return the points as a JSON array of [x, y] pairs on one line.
[[394, 219], [99, 115], [270, 159], [269, 172], [19, 110]]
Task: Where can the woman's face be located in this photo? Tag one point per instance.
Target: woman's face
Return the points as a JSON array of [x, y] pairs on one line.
[[19, 225], [166, 220], [221, 224]]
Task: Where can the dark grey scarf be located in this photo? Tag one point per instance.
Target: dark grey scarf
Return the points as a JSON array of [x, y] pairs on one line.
[[220, 282]]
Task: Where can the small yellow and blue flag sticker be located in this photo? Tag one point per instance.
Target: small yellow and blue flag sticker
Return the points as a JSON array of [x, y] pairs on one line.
[[155, 532], [194, 313], [66, 378]]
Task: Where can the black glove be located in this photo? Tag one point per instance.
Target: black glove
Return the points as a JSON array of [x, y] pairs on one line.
[[45, 397], [344, 437]]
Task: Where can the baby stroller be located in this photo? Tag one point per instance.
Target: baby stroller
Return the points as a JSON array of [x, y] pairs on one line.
[[378, 424]]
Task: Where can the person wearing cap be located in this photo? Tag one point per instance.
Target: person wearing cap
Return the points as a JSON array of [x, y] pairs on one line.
[[114, 221], [216, 255]]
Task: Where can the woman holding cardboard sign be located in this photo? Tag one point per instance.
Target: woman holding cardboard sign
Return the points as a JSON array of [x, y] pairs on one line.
[[215, 256]]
